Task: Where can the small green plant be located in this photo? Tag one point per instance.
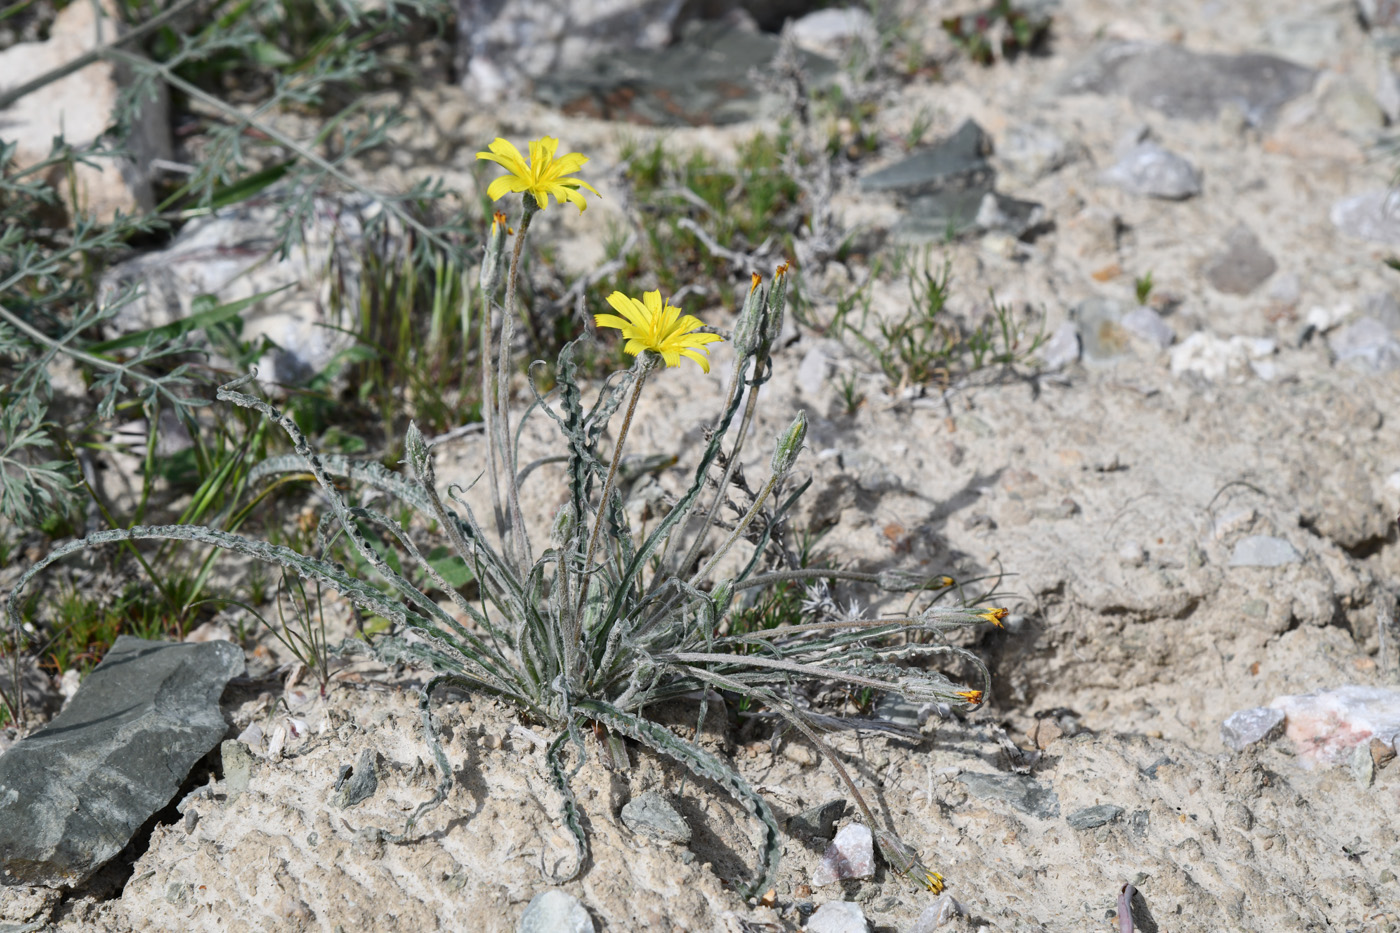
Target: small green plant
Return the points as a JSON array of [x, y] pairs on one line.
[[1142, 288], [925, 343], [1002, 32], [583, 633]]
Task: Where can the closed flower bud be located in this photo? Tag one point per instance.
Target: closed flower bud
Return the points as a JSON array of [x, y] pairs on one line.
[[748, 330], [777, 302], [790, 444], [562, 531], [493, 263]]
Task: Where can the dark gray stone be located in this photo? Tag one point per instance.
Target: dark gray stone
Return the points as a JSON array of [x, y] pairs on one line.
[[360, 783], [1147, 169], [702, 80], [1250, 726], [652, 816], [1022, 792], [1181, 83], [957, 163], [1094, 817], [817, 822], [73, 793], [555, 911], [1242, 266]]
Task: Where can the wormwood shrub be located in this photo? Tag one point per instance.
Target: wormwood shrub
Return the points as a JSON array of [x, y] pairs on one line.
[[586, 631]]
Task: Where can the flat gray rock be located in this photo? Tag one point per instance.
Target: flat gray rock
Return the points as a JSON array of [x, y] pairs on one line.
[[817, 822], [1251, 726], [1061, 349], [652, 816], [1241, 266], [702, 80], [1263, 551], [1024, 793], [1094, 817], [73, 793], [1190, 85], [556, 911], [838, 917], [956, 163]]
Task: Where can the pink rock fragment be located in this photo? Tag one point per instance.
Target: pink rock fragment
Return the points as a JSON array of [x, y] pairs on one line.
[[850, 855], [1325, 727]]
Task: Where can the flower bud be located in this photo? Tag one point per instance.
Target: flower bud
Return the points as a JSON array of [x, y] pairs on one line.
[[493, 263], [790, 444], [777, 302], [749, 329]]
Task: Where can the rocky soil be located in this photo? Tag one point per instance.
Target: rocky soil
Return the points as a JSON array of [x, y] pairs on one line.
[[1193, 505]]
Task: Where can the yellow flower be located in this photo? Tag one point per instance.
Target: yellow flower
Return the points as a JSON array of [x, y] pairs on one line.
[[542, 176], [993, 616], [972, 696], [932, 880], [651, 324]]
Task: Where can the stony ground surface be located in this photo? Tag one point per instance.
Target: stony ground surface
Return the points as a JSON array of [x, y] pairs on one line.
[[1113, 492]]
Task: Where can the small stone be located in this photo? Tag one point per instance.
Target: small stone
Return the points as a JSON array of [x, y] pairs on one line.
[[1217, 359], [1146, 324], [940, 912], [1131, 554], [1327, 726], [1372, 216], [1147, 169], [1021, 792], [850, 855], [555, 911], [1032, 151], [838, 917], [1250, 727], [817, 822], [651, 815], [800, 753], [238, 767], [830, 32], [1363, 767], [1061, 349], [997, 212], [1101, 330], [1094, 817], [1382, 752], [1045, 732], [1351, 108], [1263, 551], [769, 898], [359, 783], [955, 163], [1242, 266], [1367, 345]]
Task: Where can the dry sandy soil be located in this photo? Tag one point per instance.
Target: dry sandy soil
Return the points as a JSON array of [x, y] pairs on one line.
[[1112, 494]]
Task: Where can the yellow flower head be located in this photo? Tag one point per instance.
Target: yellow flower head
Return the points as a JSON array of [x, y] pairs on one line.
[[972, 696], [932, 880], [498, 219], [994, 616], [542, 176], [651, 324]]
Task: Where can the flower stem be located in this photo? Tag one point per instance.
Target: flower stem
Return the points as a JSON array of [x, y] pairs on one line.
[[607, 488], [520, 542]]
